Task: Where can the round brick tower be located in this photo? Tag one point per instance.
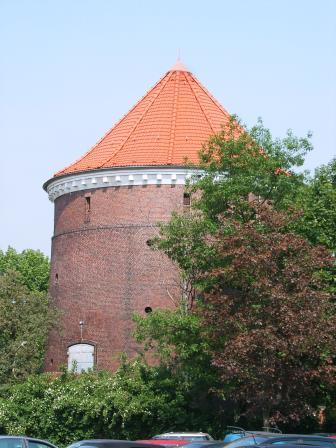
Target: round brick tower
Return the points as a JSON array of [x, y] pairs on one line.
[[107, 206]]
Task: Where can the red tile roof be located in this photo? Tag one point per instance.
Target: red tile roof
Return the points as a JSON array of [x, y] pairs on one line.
[[166, 127]]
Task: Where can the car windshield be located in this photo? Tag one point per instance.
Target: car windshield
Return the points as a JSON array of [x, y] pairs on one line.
[[10, 443], [245, 441], [233, 436]]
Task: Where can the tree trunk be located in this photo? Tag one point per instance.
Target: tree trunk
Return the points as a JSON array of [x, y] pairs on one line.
[[266, 414]]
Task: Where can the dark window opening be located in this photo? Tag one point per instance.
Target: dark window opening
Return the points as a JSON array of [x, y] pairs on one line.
[[148, 309], [88, 204], [87, 208], [56, 278], [150, 243], [186, 199], [51, 361]]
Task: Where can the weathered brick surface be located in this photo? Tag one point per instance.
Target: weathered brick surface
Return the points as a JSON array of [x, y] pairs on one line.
[[105, 270]]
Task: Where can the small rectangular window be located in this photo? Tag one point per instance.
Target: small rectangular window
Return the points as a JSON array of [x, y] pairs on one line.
[[88, 203], [87, 208], [186, 199]]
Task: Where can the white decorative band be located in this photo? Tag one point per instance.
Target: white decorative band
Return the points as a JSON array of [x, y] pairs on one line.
[[119, 178]]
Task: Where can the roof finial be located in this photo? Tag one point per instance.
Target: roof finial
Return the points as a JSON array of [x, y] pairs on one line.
[[178, 66]]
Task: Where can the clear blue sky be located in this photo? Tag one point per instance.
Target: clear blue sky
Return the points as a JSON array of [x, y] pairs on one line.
[[71, 68]]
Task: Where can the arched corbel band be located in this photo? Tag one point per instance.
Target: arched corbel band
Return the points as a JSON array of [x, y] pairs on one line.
[[118, 177]]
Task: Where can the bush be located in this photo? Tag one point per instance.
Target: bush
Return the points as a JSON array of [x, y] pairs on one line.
[[135, 402]]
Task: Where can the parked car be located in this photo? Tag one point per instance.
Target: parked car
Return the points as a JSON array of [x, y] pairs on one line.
[[108, 443], [202, 444], [192, 436], [243, 442], [206, 444], [235, 432], [24, 442], [169, 443], [300, 439], [247, 441], [285, 445]]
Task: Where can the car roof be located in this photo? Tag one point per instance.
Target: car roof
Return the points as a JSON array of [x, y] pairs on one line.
[[287, 445], [157, 441], [204, 442], [302, 436], [263, 433], [105, 441], [90, 442], [239, 430], [313, 440], [256, 434], [182, 433]]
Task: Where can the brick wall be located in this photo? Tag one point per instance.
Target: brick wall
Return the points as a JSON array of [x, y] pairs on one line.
[[103, 270]]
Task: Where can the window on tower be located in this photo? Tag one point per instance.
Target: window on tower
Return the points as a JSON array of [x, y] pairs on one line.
[[87, 208], [81, 357], [186, 199]]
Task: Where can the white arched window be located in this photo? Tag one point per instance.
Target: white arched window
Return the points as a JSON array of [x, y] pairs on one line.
[[80, 357]]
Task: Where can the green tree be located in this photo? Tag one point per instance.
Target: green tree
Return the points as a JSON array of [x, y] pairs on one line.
[[25, 319], [32, 266], [239, 163], [239, 166], [317, 199], [177, 340], [247, 173]]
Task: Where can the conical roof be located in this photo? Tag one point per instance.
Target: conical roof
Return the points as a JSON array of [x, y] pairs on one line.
[[167, 127]]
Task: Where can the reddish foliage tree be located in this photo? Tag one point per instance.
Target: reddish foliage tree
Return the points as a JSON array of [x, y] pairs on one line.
[[271, 323]]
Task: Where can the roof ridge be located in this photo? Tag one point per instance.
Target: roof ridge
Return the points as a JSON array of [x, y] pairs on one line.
[[168, 75], [174, 114], [114, 126], [200, 105], [213, 99]]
